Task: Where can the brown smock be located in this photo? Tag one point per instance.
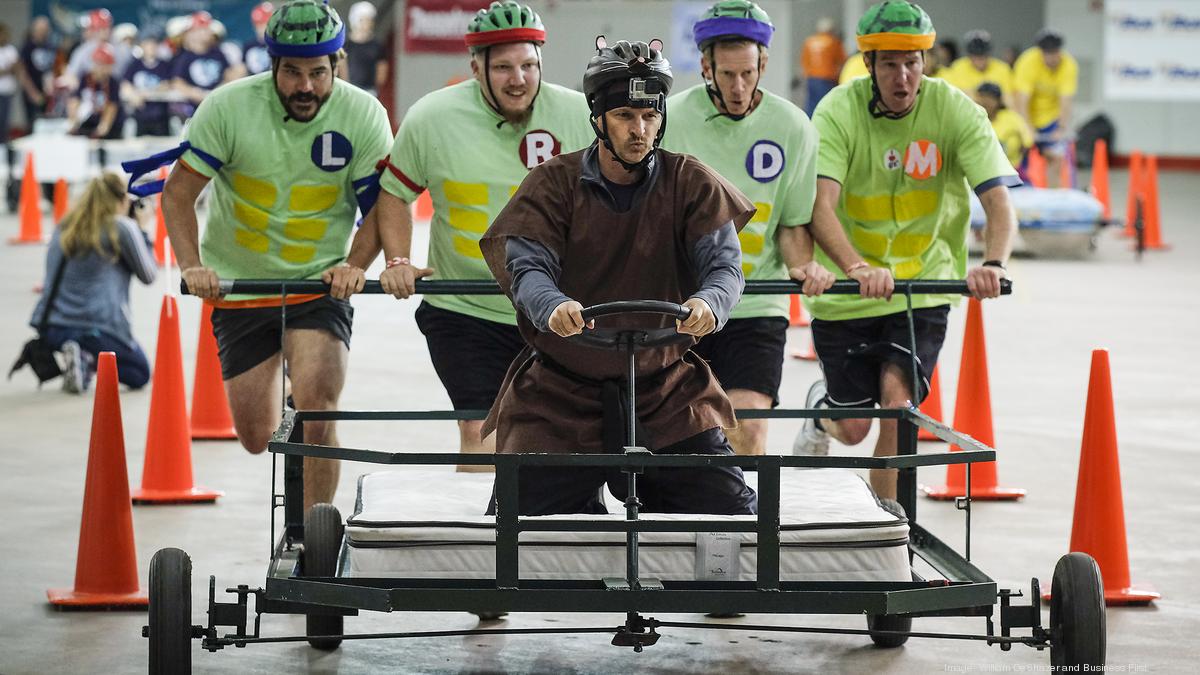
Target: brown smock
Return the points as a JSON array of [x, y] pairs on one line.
[[641, 254]]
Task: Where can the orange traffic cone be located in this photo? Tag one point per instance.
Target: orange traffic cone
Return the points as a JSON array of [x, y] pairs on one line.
[[1153, 238], [106, 567], [62, 198], [423, 207], [167, 472], [1100, 176], [1135, 190], [1036, 168], [29, 208], [808, 353], [211, 419], [797, 317], [973, 416], [932, 406], [1098, 528], [160, 228]]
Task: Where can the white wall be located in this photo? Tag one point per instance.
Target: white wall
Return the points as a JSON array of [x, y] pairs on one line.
[[1161, 127]]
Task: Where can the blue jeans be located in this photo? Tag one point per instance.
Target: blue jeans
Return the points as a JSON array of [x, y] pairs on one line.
[[133, 369], [816, 89]]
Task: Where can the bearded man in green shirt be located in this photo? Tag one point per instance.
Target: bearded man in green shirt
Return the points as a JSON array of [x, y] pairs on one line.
[[471, 145], [898, 153], [291, 157]]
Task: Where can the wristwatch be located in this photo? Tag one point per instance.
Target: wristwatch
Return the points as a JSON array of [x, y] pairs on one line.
[[994, 263]]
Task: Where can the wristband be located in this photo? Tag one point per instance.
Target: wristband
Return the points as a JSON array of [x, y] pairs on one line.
[[856, 266], [994, 263], [394, 262]]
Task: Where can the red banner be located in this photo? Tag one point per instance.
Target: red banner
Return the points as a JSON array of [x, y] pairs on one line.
[[438, 26]]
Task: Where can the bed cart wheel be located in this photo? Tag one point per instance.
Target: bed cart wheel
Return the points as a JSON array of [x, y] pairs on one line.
[[1077, 614], [170, 621], [322, 540], [889, 622]]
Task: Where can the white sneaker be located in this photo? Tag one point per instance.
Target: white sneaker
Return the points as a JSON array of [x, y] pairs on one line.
[[73, 369], [811, 440]]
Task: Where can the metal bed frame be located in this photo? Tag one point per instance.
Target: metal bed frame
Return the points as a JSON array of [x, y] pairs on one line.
[[295, 585]]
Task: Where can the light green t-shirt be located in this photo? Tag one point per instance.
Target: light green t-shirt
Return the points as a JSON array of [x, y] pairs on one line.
[[452, 143], [283, 197], [904, 202], [771, 156]]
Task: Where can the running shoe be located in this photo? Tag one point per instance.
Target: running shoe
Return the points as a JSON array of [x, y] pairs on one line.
[[74, 378], [812, 440]]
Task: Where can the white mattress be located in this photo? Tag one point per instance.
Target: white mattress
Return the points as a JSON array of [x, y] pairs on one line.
[[428, 523]]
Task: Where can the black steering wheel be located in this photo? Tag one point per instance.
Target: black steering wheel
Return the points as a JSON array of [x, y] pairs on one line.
[[636, 338]]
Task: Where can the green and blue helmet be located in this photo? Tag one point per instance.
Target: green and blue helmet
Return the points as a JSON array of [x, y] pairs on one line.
[[304, 28]]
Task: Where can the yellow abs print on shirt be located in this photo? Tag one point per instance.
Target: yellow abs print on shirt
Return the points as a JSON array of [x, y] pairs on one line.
[[753, 237], [901, 251], [467, 215], [255, 203]]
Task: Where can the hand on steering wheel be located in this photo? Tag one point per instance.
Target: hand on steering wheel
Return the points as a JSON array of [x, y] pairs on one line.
[[567, 319], [700, 322]]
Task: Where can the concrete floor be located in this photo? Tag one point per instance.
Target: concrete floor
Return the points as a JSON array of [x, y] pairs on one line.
[[1039, 350]]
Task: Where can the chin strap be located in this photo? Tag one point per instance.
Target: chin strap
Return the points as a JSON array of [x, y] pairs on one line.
[[491, 99], [602, 134], [715, 90], [875, 106]]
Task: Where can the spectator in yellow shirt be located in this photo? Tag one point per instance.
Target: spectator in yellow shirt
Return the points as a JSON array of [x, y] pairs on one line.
[[1045, 79], [820, 61], [1014, 134], [978, 66]]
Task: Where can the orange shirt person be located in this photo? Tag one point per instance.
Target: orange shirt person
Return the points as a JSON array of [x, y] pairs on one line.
[[821, 62]]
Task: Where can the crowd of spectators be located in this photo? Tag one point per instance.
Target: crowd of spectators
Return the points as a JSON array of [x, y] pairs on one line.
[[111, 81]]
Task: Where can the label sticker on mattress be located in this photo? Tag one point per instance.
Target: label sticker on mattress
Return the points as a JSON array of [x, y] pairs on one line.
[[718, 556]]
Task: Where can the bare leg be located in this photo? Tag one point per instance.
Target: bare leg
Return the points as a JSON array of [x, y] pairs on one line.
[[896, 394], [317, 370], [749, 437], [894, 389], [1054, 164], [469, 441], [254, 401]]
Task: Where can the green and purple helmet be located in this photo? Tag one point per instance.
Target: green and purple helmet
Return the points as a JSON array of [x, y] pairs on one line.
[[733, 19]]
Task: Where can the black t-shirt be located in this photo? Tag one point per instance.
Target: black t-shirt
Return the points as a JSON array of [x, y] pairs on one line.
[[145, 79], [38, 59], [255, 56], [93, 96], [361, 58]]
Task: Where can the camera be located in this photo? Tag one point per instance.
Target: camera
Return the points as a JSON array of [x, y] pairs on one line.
[[137, 206], [645, 93]]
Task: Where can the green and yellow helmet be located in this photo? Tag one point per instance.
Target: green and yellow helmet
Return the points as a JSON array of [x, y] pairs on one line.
[[729, 19], [895, 25], [304, 28], [502, 22]]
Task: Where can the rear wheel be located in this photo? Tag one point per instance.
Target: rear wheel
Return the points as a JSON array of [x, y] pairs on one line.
[[170, 617], [888, 622], [323, 530], [1077, 627]]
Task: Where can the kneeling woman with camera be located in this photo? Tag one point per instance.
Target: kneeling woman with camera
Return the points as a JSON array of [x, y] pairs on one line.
[[94, 251]]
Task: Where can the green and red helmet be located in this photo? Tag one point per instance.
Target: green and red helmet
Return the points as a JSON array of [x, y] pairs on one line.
[[895, 25], [733, 19], [304, 28], [503, 22]]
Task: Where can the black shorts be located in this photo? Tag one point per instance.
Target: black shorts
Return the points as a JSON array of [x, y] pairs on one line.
[[247, 337], [747, 354], [470, 355], [853, 352]]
